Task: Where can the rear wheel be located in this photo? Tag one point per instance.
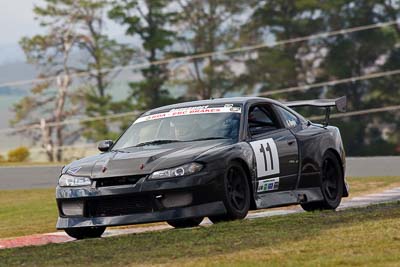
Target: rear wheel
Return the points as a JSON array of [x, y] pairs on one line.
[[85, 232], [186, 223], [236, 195], [331, 185]]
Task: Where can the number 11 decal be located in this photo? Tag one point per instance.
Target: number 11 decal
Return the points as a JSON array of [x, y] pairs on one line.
[[267, 158]]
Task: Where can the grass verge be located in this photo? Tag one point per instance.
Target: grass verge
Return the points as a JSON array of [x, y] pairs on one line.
[[25, 212], [366, 185], [364, 236]]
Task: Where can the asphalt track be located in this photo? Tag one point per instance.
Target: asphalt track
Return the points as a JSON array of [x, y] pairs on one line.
[[47, 176], [389, 195], [29, 177]]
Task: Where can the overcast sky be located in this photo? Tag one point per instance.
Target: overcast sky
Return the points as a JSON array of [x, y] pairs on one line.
[[17, 20]]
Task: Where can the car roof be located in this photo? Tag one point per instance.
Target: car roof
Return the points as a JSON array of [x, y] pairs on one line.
[[216, 101]]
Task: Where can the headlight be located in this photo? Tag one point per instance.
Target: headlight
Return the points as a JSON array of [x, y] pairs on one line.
[[183, 170], [69, 180]]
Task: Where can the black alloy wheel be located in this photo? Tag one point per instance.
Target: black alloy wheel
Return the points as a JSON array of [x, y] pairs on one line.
[[85, 232], [332, 184], [186, 223], [330, 181], [236, 195]]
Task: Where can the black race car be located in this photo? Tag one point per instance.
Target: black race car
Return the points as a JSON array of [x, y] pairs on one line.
[[214, 158]]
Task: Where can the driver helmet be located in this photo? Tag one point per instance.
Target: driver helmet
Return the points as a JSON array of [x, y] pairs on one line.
[[184, 127]]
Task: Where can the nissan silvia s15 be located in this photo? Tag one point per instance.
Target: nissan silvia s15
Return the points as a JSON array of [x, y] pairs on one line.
[[214, 158]]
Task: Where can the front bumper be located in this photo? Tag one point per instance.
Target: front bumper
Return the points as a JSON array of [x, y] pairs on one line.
[[144, 201]]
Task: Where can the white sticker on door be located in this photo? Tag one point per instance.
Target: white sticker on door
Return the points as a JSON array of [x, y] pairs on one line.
[[267, 158]]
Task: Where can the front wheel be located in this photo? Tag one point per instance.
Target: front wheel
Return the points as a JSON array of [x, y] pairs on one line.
[[236, 194], [332, 184], [186, 223], [85, 232]]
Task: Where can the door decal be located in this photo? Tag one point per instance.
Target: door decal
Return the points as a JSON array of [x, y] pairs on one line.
[[267, 158], [268, 185]]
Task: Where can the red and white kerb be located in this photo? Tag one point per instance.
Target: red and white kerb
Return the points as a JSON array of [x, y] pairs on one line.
[[190, 111]]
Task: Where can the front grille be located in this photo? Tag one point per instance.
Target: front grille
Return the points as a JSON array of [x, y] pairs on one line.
[[118, 205], [117, 181]]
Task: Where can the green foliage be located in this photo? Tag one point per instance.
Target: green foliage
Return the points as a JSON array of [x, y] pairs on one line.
[[51, 100], [356, 54], [188, 27], [19, 154], [330, 58], [148, 20], [2, 159], [81, 26], [208, 26], [284, 65], [102, 106], [102, 55]]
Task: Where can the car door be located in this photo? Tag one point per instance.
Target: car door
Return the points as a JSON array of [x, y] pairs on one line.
[[275, 150]]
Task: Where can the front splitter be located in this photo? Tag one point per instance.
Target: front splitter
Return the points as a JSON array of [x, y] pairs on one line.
[[203, 210]]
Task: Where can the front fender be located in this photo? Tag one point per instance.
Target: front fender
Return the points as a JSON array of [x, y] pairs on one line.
[[218, 158]]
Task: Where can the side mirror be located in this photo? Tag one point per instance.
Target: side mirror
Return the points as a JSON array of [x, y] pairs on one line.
[[105, 145]]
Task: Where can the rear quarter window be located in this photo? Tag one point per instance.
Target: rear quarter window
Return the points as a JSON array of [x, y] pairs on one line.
[[289, 119]]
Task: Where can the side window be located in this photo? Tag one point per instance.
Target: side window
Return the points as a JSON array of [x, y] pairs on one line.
[[261, 120], [290, 120]]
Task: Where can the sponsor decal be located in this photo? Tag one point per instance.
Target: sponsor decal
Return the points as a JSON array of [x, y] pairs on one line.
[[73, 170], [189, 111], [188, 108], [268, 185]]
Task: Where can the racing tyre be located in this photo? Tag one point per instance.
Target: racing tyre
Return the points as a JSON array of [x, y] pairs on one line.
[[331, 185], [85, 232], [186, 223], [236, 194]]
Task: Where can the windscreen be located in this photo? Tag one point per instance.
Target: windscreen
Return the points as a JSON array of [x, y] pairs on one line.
[[183, 125]]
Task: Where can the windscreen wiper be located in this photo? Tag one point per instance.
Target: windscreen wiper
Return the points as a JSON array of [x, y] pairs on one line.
[[157, 142], [209, 138]]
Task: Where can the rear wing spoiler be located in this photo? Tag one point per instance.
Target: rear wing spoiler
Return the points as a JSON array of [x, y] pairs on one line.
[[340, 104]]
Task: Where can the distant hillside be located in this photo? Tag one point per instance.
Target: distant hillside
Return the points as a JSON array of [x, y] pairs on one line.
[[16, 71], [8, 91], [10, 52]]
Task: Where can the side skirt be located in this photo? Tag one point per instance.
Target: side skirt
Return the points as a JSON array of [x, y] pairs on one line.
[[284, 198]]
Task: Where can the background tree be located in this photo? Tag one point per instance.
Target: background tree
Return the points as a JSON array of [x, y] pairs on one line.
[[291, 64], [207, 26], [94, 53], [358, 54], [51, 53], [76, 40], [150, 21], [100, 55], [330, 58]]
